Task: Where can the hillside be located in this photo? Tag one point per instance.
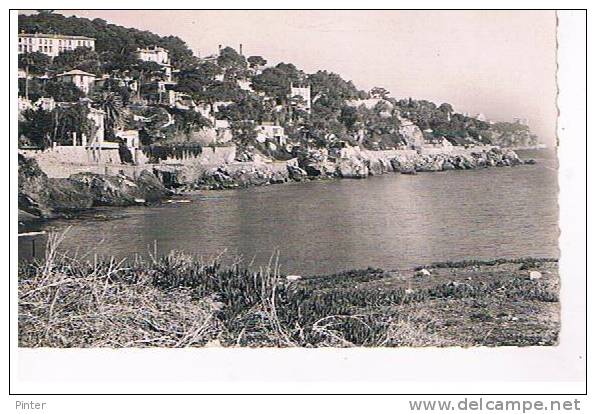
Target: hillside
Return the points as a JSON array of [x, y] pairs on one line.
[[242, 91], [115, 44]]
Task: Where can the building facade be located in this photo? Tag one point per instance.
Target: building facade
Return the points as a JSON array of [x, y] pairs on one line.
[[52, 44], [158, 55], [155, 54], [304, 93], [267, 131], [82, 80]]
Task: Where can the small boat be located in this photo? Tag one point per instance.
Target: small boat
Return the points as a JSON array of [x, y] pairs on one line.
[[140, 200], [178, 201], [32, 233]]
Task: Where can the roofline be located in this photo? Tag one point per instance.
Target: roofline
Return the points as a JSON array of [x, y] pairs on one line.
[[56, 36], [151, 49], [76, 72]]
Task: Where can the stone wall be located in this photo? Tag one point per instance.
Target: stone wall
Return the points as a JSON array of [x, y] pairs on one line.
[[62, 161]]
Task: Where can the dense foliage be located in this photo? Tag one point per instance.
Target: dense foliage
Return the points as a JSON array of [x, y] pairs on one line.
[[40, 128], [114, 44], [241, 90]]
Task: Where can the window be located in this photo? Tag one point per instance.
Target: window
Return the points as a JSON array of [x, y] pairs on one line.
[[20, 48]]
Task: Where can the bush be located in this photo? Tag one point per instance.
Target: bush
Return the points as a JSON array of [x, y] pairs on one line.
[[177, 300]]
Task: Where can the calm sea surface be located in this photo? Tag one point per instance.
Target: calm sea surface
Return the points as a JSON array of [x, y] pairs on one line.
[[392, 221]]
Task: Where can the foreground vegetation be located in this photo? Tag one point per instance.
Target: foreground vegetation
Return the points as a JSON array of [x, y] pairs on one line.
[[180, 301]]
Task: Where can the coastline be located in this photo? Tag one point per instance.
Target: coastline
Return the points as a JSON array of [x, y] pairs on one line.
[[352, 163], [43, 198]]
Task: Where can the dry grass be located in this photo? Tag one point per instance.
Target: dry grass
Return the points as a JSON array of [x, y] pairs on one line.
[[64, 303], [179, 300]]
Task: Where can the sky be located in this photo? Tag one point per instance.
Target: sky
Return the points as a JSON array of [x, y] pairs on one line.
[[498, 63]]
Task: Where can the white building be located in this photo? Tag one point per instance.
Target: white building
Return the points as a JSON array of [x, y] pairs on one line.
[[133, 143], [98, 117], [223, 132], [304, 93], [369, 103], [205, 110], [211, 58], [82, 80], [158, 55], [244, 84], [24, 104], [130, 136], [180, 100], [155, 54], [52, 44], [46, 103], [220, 104], [267, 131]]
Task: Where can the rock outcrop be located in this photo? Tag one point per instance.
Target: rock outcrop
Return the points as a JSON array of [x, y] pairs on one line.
[[352, 168], [348, 162], [45, 197], [119, 190], [241, 176], [357, 163]]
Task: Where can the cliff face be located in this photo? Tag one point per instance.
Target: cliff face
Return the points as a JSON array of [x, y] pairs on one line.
[[48, 197], [45, 197]]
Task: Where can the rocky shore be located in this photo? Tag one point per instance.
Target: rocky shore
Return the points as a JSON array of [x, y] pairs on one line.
[[351, 163], [46, 198]]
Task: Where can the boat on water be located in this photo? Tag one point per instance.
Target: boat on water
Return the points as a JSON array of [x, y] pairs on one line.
[[182, 201]]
